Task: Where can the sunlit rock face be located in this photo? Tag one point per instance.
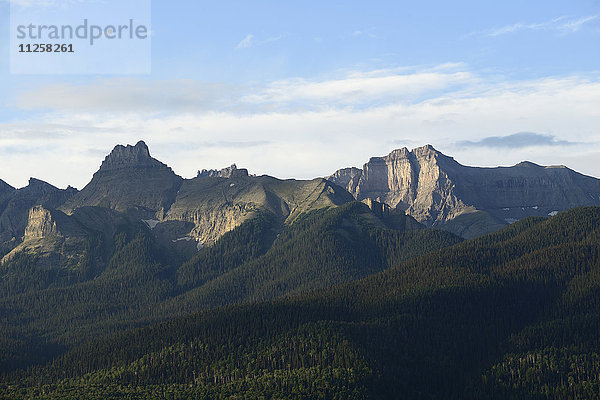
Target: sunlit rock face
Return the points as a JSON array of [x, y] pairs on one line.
[[438, 191]]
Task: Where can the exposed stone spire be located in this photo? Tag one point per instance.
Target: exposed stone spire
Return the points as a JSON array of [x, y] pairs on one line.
[[129, 156]]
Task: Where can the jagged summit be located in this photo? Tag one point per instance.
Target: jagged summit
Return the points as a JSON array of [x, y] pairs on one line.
[[129, 179], [35, 183], [39, 186], [423, 151], [229, 172], [130, 156]]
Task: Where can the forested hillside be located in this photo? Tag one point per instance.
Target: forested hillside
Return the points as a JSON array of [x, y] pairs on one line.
[[510, 315], [128, 279]]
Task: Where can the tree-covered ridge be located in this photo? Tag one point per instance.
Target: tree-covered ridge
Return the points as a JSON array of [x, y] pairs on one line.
[[510, 315], [134, 280], [321, 248]]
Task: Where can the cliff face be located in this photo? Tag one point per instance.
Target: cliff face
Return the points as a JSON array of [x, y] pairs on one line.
[[40, 224], [414, 181], [43, 223], [218, 205], [130, 180], [436, 190]]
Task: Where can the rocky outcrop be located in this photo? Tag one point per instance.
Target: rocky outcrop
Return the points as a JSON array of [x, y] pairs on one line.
[[52, 236], [435, 189], [40, 224], [130, 180], [43, 222], [15, 206], [229, 172]]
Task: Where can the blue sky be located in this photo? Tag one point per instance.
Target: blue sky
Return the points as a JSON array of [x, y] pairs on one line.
[[301, 88]]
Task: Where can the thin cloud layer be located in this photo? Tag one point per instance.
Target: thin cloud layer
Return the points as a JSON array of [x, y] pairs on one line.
[[352, 89], [517, 140], [562, 24], [245, 42], [132, 95]]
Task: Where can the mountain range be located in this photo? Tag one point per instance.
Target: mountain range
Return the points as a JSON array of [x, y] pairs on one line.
[[438, 191], [413, 277], [432, 188]]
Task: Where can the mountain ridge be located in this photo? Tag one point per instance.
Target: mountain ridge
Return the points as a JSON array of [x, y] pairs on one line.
[[424, 183], [437, 190]]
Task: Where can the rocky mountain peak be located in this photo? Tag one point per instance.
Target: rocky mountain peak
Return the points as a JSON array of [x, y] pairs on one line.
[[130, 156], [400, 153], [435, 189], [37, 183], [37, 187], [527, 164], [129, 180], [426, 151], [229, 172]]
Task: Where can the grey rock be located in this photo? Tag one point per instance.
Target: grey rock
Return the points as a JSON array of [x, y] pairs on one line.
[[229, 172], [15, 206], [130, 180], [435, 189]]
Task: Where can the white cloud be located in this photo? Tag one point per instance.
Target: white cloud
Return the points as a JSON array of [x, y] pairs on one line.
[[300, 128], [349, 89], [251, 41], [246, 42], [358, 88], [575, 25]]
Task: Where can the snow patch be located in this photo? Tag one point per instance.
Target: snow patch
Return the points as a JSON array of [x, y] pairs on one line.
[[553, 213], [186, 238], [506, 209], [232, 185], [535, 207], [511, 220], [151, 223]]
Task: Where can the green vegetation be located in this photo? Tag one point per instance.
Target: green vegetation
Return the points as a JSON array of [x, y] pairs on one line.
[[511, 315], [130, 281], [321, 248]]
